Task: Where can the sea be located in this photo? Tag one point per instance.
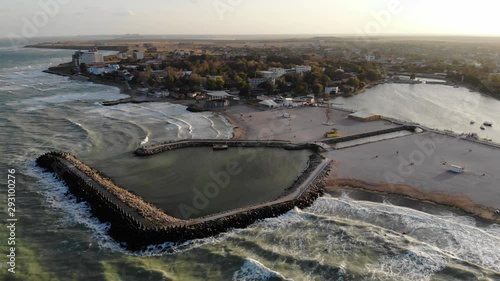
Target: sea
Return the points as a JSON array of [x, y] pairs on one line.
[[345, 235]]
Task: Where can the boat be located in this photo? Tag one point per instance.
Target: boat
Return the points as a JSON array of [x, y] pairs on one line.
[[489, 124], [220, 146], [472, 122], [482, 127]]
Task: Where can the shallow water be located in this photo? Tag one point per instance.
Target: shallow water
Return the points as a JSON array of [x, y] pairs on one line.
[[436, 106], [196, 182]]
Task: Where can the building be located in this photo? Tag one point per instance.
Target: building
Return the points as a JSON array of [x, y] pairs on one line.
[[138, 55], [267, 74], [364, 116], [301, 69], [218, 95], [91, 58], [179, 53], [369, 57], [217, 99], [269, 104], [88, 58], [331, 90], [99, 69], [255, 82]]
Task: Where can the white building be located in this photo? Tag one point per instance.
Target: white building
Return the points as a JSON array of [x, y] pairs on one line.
[[331, 90], [267, 74], [369, 57], [91, 58], [101, 69], [255, 82], [179, 53], [88, 58], [138, 55], [278, 71], [300, 69]]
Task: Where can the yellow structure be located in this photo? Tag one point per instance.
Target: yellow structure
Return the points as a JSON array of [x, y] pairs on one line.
[[331, 134]]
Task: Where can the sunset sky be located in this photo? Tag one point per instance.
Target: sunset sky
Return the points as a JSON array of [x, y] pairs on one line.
[[99, 17]]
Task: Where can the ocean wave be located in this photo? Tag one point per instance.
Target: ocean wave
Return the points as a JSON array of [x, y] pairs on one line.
[[65, 98], [254, 270], [212, 126]]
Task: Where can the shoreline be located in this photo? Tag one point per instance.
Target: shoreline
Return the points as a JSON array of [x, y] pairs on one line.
[[239, 131], [444, 199], [460, 202], [138, 223]]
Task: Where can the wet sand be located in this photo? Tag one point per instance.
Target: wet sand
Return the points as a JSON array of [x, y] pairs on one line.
[[386, 166], [460, 202], [304, 125]]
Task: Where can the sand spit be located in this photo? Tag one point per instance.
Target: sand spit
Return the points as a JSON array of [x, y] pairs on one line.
[[459, 202]]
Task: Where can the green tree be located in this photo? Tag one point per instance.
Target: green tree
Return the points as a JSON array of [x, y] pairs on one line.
[[83, 67], [353, 82], [413, 76], [211, 84], [372, 75], [268, 86], [219, 83], [245, 90], [301, 89]]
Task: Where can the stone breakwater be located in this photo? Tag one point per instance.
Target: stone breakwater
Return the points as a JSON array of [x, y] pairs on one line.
[[137, 224], [371, 134], [166, 146]]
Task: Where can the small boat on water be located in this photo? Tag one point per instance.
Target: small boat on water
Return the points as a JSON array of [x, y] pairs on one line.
[[220, 146], [489, 124]]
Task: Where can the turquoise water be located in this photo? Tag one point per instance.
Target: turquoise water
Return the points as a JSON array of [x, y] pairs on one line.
[[338, 238]]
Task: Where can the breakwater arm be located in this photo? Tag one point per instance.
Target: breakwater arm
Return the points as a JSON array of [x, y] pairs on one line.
[[166, 146]]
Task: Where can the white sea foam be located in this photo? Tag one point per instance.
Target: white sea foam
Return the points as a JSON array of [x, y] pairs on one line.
[[145, 141], [73, 213], [55, 192], [64, 98], [254, 270]]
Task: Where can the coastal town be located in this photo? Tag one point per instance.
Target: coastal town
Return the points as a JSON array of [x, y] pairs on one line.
[[214, 74]]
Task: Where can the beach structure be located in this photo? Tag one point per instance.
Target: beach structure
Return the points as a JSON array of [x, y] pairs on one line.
[[269, 104], [90, 57]]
